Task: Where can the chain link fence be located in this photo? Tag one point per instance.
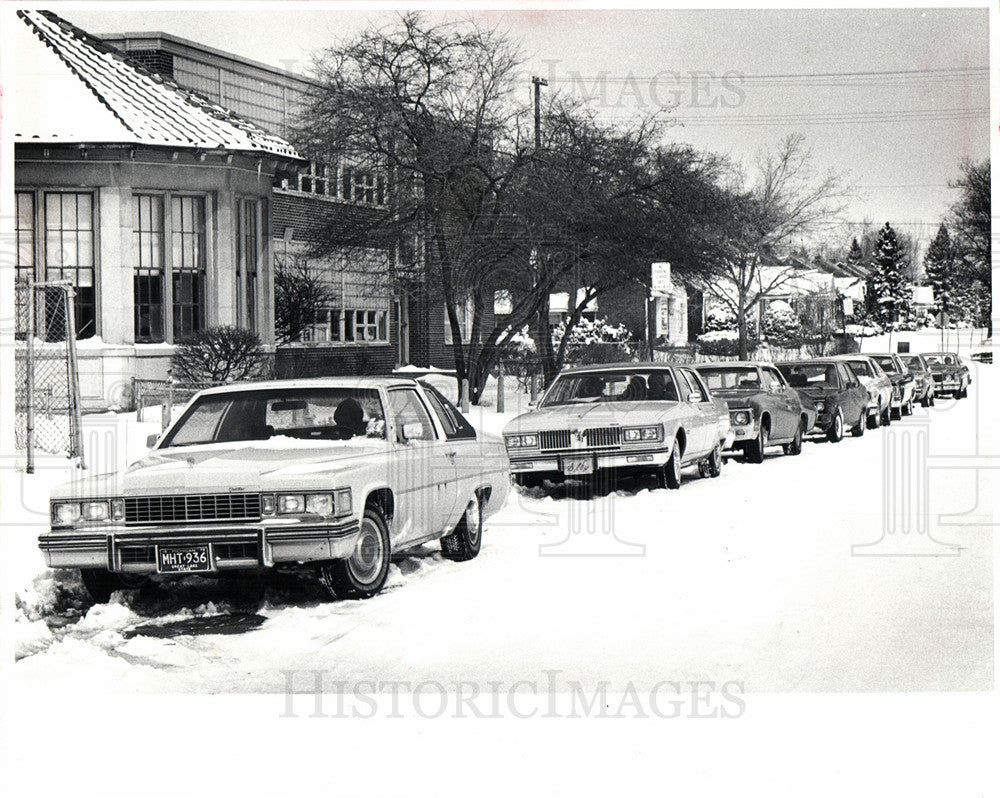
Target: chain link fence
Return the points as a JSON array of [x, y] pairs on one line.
[[47, 383]]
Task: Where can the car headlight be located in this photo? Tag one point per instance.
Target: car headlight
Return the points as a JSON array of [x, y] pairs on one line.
[[521, 441], [820, 405], [337, 503], [70, 513], [741, 417], [65, 513], [635, 434]]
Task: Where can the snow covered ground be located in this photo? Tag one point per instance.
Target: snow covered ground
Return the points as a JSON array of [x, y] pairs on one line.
[[761, 577]]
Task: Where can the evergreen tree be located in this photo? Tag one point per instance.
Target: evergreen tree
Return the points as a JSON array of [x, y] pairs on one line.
[[855, 257], [887, 286], [939, 269]]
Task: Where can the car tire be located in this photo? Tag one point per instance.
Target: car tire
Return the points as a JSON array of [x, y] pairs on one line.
[[467, 538], [795, 447], [670, 475], [895, 414], [875, 419], [858, 430], [754, 451], [887, 416], [931, 400], [907, 409], [715, 461], [963, 393], [926, 401], [363, 574], [101, 583], [836, 432]]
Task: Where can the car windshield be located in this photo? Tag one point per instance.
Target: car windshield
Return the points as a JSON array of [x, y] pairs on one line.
[[861, 368], [612, 386], [326, 414], [912, 362], [724, 379], [941, 360], [886, 362], [810, 375]]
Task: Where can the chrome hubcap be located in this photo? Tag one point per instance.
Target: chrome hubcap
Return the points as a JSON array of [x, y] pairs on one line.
[[366, 561]]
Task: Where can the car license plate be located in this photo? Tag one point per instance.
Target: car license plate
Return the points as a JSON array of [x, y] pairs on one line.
[[182, 559], [578, 465]]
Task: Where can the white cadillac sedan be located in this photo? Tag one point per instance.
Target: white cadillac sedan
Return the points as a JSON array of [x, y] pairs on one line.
[[335, 473], [610, 420]]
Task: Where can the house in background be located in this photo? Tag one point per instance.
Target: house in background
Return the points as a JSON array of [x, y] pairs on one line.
[[153, 201], [366, 327]]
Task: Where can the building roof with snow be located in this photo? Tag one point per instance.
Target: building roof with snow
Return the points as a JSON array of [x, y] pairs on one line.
[[69, 87]]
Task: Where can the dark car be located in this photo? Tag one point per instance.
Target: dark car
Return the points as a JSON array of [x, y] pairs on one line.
[[903, 382], [840, 398], [950, 374], [764, 409], [924, 392]]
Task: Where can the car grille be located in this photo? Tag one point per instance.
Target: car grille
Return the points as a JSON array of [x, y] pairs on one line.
[[196, 508], [604, 436], [554, 439], [939, 378], [594, 437]]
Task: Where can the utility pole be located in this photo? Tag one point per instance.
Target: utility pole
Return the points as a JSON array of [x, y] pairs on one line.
[[538, 83]]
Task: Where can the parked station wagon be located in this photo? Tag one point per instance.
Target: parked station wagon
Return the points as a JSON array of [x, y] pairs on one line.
[[335, 473], [763, 408], [841, 400], [609, 420]]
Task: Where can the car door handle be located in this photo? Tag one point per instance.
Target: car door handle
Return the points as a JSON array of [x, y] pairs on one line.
[[452, 453]]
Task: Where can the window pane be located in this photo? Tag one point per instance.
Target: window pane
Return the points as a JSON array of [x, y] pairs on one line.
[[69, 252], [147, 232], [188, 265]]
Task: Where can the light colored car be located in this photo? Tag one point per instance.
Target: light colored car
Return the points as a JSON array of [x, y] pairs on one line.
[[609, 420], [904, 384], [335, 473], [878, 384], [917, 366], [764, 409]]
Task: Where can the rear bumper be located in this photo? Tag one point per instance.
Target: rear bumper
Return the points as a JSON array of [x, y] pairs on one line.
[[133, 549]]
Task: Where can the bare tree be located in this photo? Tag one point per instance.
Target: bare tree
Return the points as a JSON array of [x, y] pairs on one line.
[[782, 206], [300, 296]]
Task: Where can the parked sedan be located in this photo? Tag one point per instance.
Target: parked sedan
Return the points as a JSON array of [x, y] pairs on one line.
[[840, 398], [950, 374], [607, 420], [334, 473], [924, 392], [763, 408], [878, 384], [903, 383]]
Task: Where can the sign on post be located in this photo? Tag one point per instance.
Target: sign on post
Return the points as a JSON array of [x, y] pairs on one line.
[[660, 282]]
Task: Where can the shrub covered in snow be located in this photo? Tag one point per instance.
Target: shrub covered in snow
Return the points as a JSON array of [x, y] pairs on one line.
[[595, 341], [724, 343], [781, 325], [720, 318]]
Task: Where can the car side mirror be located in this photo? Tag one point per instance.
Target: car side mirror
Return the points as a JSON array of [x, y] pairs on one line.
[[413, 430], [533, 402], [151, 441], [695, 396]]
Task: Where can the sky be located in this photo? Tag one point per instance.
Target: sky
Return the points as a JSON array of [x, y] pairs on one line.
[[892, 98]]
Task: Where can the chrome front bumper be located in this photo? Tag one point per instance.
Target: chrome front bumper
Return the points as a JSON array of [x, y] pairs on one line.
[[130, 549], [551, 462]]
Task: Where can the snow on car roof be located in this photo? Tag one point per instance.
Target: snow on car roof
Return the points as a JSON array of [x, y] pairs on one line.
[[314, 382]]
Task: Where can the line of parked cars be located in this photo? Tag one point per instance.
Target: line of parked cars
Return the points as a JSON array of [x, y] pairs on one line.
[[336, 475]]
